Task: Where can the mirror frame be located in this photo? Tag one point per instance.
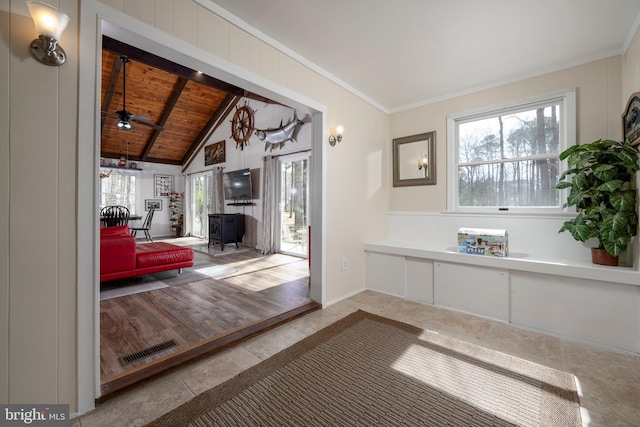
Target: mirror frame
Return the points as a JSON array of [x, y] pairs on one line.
[[430, 179]]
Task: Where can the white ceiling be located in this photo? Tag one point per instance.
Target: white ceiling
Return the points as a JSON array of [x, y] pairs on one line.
[[402, 53]]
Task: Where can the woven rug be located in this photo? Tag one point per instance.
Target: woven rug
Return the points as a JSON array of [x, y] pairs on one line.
[[368, 370]]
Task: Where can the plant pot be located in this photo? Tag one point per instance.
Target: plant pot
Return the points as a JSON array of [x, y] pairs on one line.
[[602, 257]]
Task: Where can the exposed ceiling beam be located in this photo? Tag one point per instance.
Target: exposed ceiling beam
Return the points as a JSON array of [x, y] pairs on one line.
[[111, 86], [175, 95], [152, 60]]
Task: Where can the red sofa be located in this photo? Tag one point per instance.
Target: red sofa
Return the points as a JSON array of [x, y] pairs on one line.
[[121, 257]]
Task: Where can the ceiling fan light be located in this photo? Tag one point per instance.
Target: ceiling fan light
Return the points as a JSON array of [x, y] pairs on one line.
[[124, 124]]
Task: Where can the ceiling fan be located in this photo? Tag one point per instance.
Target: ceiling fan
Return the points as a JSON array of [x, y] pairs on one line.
[[124, 117]]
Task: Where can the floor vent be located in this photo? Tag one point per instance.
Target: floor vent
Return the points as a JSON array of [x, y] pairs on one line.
[[130, 358]]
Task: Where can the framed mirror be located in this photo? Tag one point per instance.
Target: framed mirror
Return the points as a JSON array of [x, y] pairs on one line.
[[414, 160]]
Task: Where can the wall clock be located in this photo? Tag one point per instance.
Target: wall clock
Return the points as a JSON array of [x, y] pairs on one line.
[[242, 126], [631, 120]]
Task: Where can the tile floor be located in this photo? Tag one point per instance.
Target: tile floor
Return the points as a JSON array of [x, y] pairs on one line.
[[609, 380]]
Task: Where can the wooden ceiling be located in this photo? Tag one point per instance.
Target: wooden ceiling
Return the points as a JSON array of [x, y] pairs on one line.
[[185, 104]]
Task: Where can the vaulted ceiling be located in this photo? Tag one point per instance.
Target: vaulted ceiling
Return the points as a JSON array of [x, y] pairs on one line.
[[180, 107]]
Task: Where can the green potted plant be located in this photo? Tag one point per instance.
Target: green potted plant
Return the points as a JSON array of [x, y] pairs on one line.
[[600, 187]]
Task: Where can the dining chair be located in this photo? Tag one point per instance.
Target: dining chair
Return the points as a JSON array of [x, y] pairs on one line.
[[112, 216], [146, 225]]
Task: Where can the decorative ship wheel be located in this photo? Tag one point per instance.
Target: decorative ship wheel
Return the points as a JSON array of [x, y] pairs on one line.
[[242, 126]]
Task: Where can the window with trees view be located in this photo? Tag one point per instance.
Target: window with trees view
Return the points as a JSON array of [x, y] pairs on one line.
[[507, 158], [119, 189]]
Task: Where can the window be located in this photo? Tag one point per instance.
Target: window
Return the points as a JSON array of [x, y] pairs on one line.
[[119, 188], [506, 158]]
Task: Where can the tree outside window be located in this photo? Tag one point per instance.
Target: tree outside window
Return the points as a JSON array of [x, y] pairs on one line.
[[508, 159], [118, 189]]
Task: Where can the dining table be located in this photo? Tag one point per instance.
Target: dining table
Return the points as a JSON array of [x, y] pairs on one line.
[[131, 218]]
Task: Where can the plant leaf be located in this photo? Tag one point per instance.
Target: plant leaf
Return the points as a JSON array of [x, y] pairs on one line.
[[581, 233], [617, 246], [604, 172], [569, 151], [625, 201], [610, 186], [562, 185]]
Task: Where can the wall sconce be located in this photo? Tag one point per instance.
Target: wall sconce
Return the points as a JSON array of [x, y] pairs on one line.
[[50, 23], [336, 135], [423, 163]]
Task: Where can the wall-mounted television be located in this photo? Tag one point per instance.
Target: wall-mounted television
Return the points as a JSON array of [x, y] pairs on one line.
[[237, 185]]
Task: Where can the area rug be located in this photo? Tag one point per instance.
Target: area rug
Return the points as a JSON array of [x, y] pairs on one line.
[[368, 370], [204, 268]]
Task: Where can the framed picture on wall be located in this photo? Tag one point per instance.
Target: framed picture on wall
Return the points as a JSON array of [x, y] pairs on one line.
[[214, 153], [163, 185], [153, 204], [631, 120]]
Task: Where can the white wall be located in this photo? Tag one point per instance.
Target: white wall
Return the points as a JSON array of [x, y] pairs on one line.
[[439, 231], [598, 100], [598, 103], [38, 213]]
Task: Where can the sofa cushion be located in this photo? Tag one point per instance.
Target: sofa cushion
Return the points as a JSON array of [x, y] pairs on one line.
[[160, 253], [117, 253], [120, 230]]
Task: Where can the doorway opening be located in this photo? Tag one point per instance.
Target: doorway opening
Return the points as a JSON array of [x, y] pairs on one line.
[[294, 204], [200, 203], [88, 246]]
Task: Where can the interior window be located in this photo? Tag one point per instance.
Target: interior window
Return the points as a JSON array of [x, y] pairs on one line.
[[506, 158]]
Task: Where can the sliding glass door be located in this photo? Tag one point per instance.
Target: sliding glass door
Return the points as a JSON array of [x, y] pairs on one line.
[[200, 203], [294, 204]]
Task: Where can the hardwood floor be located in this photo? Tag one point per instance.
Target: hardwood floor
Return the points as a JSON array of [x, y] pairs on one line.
[[200, 317]]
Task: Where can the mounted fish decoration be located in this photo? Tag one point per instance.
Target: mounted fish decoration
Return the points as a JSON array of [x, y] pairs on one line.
[[277, 137]]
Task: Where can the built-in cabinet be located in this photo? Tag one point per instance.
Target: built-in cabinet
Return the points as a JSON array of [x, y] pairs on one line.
[[592, 310]]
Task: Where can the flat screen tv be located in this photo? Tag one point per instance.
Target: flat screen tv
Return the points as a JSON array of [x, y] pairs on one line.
[[237, 185]]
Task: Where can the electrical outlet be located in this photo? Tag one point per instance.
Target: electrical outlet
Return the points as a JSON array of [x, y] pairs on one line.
[[343, 264]]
